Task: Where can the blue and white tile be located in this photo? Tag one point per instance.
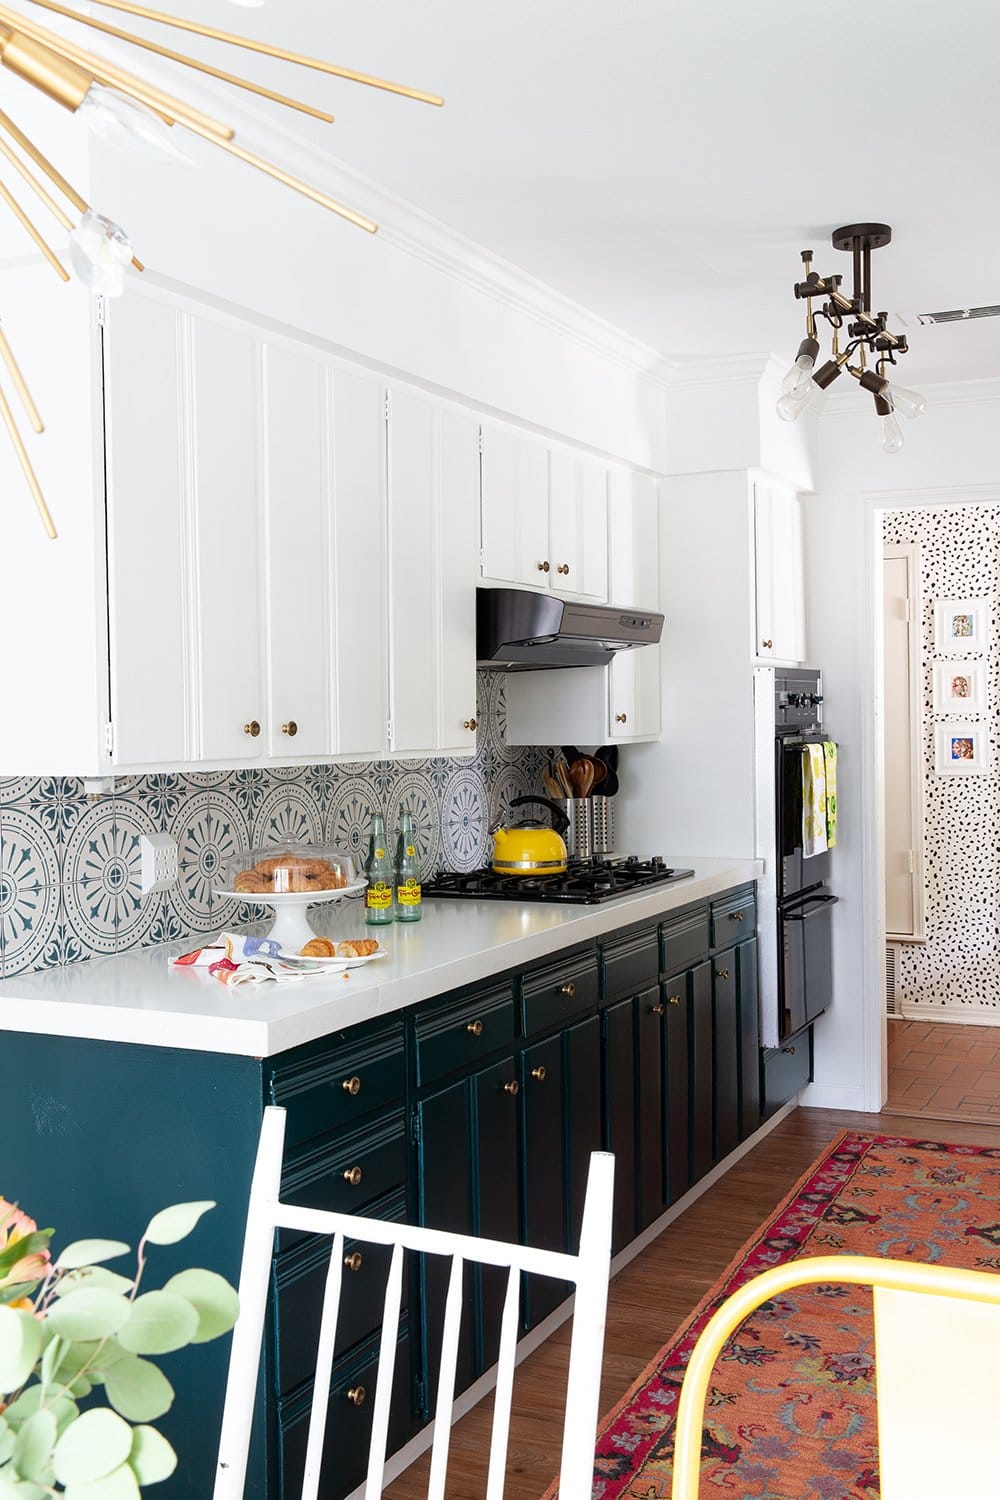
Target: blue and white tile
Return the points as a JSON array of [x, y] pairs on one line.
[[248, 789], [100, 877], [29, 892], [213, 831], [136, 912], [464, 815], [321, 782], [56, 803], [441, 770], [348, 821], [166, 925], [200, 781], [160, 795], [286, 773], [511, 784], [383, 775], [286, 816], [15, 789], [415, 792]]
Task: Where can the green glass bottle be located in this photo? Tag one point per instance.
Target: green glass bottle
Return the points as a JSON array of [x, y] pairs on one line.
[[380, 872], [408, 894]]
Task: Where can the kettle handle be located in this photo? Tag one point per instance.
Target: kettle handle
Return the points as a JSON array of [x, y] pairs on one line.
[[560, 822]]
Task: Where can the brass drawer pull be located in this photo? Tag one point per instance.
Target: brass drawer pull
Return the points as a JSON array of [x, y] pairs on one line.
[[354, 1262], [539, 1072], [353, 1176], [291, 729], [472, 724], [737, 916], [563, 568], [511, 1088], [789, 1050], [722, 973], [568, 989], [621, 718], [475, 1028], [352, 1085], [768, 645], [659, 1009], [252, 729], [356, 1395], [543, 567], [673, 999]]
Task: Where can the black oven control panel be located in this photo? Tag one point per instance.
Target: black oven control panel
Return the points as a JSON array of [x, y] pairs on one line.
[[798, 701]]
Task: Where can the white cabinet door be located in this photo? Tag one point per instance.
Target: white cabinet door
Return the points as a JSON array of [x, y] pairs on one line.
[[634, 580], [225, 401], [778, 573], [515, 501], [578, 526], [432, 466], [299, 597]]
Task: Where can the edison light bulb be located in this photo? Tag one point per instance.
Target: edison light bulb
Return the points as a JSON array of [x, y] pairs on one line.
[[132, 127], [793, 403], [907, 403], [890, 434], [801, 371], [100, 251]]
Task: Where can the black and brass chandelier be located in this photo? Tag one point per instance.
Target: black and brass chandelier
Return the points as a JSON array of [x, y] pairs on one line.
[[128, 110], [869, 346]]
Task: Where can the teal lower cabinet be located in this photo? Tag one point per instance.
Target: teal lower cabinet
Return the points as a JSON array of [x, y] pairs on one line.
[[784, 1070], [619, 1114], [543, 1180], [675, 995], [649, 1010], [701, 1071]]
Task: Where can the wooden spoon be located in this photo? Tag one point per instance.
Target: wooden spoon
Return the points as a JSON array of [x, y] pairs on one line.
[[600, 775]]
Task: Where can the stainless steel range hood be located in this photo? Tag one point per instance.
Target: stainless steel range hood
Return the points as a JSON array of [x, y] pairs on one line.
[[518, 630]]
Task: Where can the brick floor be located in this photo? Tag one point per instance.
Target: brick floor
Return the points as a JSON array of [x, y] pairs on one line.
[[947, 1072]]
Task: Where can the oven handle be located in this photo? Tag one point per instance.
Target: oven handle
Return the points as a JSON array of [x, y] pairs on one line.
[[817, 904]]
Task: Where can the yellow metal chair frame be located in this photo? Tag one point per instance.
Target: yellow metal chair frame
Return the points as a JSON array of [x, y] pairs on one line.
[[896, 1316]]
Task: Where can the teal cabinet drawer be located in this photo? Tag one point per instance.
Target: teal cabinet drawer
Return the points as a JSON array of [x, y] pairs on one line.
[[324, 1089], [456, 1035], [734, 916], [785, 1071], [630, 965], [560, 992], [347, 1174], [684, 940]]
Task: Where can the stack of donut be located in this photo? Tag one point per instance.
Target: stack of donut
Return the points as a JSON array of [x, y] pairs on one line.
[[289, 873]]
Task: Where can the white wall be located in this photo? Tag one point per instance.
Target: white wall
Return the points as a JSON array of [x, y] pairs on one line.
[[951, 454]]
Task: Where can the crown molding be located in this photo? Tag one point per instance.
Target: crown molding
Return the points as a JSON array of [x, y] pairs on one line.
[[944, 393], [718, 369]]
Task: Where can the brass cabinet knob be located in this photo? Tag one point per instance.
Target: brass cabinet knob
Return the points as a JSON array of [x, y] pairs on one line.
[[475, 1028], [722, 973], [673, 999], [659, 1009], [543, 567], [291, 729], [471, 724], [354, 1262], [737, 916], [568, 989], [352, 1086], [356, 1395], [512, 1087], [789, 1050], [539, 1072], [768, 645], [621, 718], [563, 568], [353, 1176], [252, 729]]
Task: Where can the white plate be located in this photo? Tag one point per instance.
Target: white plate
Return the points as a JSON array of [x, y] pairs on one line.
[[295, 898], [307, 960], [290, 928]]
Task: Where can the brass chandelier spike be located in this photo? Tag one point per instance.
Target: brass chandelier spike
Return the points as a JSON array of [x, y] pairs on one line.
[[82, 80]]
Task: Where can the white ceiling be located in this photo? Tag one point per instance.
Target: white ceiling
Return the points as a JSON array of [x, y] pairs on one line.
[[663, 162]]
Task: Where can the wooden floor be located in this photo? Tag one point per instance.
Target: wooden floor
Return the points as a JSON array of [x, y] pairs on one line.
[[653, 1295], [949, 1071]]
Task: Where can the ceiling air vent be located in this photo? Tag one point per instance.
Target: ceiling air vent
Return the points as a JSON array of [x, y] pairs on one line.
[[960, 314]]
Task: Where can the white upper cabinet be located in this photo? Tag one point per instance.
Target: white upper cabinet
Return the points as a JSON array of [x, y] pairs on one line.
[[780, 608], [544, 516]]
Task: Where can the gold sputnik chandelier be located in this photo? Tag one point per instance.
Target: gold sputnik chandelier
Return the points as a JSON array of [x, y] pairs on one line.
[[127, 110]]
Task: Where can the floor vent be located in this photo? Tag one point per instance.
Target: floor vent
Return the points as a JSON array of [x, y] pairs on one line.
[[893, 1005], [960, 314]]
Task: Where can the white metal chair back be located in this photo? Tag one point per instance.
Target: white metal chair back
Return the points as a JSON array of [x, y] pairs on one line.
[[588, 1271]]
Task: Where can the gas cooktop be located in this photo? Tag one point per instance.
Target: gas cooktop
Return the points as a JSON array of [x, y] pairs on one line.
[[586, 881]]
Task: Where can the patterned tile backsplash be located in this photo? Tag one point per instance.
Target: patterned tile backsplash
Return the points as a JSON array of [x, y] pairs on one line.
[[69, 866]]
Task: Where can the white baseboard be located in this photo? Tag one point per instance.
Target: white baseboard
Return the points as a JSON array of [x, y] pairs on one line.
[[833, 1096], [958, 1015]]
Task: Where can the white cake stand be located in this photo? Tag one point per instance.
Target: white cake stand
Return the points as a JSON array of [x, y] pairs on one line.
[[291, 929]]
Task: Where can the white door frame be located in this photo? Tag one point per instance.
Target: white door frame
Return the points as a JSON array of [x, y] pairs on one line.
[[873, 504]]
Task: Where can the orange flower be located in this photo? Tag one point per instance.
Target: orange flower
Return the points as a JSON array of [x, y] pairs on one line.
[[14, 1227]]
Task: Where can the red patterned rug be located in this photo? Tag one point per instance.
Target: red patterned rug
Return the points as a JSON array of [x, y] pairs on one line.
[[791, 1408]]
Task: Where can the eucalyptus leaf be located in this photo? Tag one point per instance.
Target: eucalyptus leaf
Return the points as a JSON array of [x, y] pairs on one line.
[[95, 1445], [119, 1485], [12, 1488], [33, 1449], [176, 1223], [138, 1389], [90, 1276], [80, 1387], [152, 1457], [158, 1323], [28, 1244], [30, 1401], [8, 1437], [89, 1253], [212, 1298], [89, 1314], [20, 1346], [17, 1290], [55, 1352]]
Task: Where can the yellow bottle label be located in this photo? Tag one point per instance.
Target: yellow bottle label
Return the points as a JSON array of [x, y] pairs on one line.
[[409, 894], [379, 896], [410, 850], [380, 854]]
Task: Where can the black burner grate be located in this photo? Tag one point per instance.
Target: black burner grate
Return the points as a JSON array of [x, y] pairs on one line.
[[586, 881]]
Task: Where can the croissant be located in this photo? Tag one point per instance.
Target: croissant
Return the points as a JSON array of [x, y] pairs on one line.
[[319, 947], [358, 948]]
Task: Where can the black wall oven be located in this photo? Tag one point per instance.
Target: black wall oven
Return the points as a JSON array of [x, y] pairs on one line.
[[805, 902]]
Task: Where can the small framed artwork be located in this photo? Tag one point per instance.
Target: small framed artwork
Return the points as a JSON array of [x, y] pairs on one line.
[[962, 749], [961, 626], [960, 687]]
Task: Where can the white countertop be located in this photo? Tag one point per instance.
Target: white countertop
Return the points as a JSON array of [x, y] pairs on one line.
[[138, 997]]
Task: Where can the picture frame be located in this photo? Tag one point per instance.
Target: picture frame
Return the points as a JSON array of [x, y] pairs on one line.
[[960, 688], [961, 749], [961, 626]]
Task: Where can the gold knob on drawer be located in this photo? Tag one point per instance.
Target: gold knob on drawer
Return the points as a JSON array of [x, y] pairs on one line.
[[512, 1087], [722, 973], [568, 989], [354, 1262], [543, 567], [768, 645], [252, 729], [475, 1027], [673, 999], [472, 724], [659, 1009], [621, 718], [291, 729], [789, 1050], [736, 916], [353, 1176], [563, 568], [539, 1072], [356, 1395], [352, 1086]]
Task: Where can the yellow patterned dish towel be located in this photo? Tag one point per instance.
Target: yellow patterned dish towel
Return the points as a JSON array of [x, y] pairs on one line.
[[830, 767], [814, 838]]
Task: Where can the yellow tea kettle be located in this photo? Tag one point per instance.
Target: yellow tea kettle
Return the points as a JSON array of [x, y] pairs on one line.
[[531, 847]]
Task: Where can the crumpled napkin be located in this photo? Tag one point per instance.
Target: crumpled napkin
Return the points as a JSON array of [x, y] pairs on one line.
[[233, 958]]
